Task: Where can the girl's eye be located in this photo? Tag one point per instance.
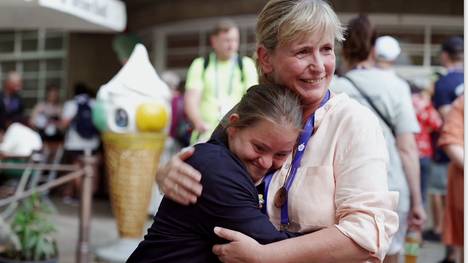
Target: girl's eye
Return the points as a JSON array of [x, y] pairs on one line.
[[258, 148], [281, 156]]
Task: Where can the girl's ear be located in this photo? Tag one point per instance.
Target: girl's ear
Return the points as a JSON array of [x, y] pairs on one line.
[[233, 118], [264, 59]]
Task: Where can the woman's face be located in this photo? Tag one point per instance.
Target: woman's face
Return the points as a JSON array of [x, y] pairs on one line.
[[53, 96], [262, 147], [305, 65]]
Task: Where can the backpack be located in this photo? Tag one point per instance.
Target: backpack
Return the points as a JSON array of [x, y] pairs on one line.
[[83, 120]]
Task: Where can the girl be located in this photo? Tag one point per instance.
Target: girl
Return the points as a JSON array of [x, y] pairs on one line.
[[258, 137]]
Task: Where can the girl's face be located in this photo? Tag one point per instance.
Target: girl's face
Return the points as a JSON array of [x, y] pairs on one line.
[[262, 147], [305, 65]]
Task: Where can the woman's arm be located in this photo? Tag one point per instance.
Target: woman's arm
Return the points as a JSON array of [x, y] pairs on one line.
[[179, 181], [326, 245], [455, 153]]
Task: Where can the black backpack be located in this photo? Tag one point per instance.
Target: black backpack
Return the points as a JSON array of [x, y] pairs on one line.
[[83, 120]]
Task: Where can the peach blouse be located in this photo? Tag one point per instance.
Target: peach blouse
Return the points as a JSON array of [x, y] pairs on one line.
[[342, 180]]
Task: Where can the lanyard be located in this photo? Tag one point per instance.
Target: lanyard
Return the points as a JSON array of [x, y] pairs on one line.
[[231, 78], [304, 137]]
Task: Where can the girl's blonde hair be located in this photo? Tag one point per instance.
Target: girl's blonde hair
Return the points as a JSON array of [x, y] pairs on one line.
[[269, 102]]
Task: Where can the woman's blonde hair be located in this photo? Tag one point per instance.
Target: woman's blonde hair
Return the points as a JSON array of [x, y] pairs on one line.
[[283, 21]]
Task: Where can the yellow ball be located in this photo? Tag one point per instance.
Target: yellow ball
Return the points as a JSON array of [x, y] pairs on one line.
[[151, 117]]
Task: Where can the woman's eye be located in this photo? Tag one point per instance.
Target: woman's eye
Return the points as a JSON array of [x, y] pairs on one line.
[[327, 49], [302, 52]]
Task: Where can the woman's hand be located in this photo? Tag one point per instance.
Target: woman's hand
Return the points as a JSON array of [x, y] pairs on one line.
[[180, 181], [242, 248]]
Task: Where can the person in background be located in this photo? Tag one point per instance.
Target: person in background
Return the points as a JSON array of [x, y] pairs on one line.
[[372, 81], [447, 88], [180, 129], [430, 121], [452, 142], [215, 83], [11, 104], [267, 117], [334, 187], [81, 137], [46, 115]]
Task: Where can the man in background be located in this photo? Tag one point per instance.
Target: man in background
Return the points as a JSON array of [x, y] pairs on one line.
[[216, 82], [11, 104]]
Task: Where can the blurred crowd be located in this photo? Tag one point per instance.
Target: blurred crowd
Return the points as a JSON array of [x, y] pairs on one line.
[[216, 82]]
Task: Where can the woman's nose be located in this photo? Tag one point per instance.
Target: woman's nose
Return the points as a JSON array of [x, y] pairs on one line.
[[316, 62]]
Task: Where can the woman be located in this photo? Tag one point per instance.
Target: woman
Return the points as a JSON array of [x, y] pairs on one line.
[[451, 140], [390, 96], [258, 138], [45, 116], [340, 186]]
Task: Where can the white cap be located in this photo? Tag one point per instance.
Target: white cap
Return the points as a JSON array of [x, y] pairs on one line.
[[387, 48]]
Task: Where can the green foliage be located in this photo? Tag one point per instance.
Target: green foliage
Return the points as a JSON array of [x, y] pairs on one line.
[[33, 232]]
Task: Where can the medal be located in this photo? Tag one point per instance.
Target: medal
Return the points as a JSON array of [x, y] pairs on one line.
[[280, 197]]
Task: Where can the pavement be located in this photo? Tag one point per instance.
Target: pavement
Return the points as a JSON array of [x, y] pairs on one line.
[[104, 232]]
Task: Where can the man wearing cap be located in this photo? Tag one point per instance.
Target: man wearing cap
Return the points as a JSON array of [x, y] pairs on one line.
[[387, 49], [450, 86]]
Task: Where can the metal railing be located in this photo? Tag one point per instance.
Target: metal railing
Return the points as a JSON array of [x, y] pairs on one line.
[[85, 171]]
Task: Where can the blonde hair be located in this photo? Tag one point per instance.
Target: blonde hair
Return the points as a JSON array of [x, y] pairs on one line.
[[283, 21], [270, 102]]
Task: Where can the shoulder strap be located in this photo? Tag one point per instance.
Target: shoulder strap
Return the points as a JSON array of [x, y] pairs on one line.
[[369, 100], [240, 64], [206, 61]]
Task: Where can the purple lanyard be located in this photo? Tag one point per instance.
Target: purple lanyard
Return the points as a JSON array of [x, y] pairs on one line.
[[304, 137]]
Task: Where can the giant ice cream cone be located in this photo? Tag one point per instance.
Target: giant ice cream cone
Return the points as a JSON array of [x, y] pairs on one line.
[[132, 111], [131, 161]]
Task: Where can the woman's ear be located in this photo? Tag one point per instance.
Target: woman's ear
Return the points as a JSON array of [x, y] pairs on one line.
[[264, 59]]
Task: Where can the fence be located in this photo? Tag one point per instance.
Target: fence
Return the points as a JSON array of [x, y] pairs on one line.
[[74, 171]]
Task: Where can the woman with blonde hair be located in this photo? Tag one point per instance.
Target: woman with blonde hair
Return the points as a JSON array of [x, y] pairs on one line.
[[334, 186]]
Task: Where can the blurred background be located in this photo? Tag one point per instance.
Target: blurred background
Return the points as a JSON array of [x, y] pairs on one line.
[[62, 43], [177, 31]]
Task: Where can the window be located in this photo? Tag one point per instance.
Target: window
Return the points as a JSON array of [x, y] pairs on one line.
[[39, 56]]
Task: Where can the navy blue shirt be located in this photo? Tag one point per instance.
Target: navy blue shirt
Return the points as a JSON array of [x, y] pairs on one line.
[[229, 199], [448, 88], [11, 110]]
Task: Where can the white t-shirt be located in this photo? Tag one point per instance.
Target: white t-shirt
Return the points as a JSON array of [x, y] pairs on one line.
[[73, 141], [20, 140], [392, 96]]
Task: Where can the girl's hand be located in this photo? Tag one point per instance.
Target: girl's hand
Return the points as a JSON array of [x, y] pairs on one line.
[[180, 181], [242, 248]]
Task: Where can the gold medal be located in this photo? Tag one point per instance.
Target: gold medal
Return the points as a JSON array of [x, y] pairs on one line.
[[280, 197]]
